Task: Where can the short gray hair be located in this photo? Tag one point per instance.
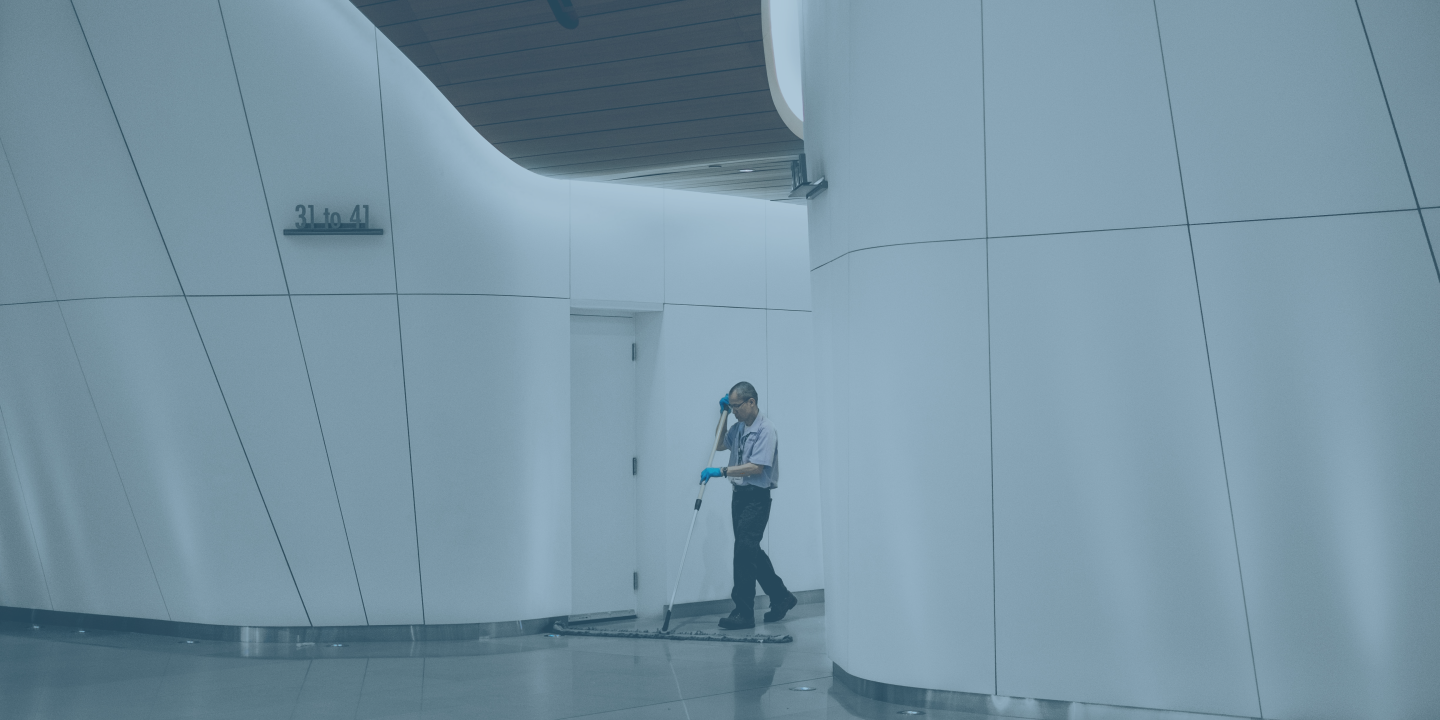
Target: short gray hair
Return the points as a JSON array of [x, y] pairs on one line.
[[745, 391]]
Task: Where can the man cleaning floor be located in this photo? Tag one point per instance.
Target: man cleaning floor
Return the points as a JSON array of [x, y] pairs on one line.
[[754, 470]]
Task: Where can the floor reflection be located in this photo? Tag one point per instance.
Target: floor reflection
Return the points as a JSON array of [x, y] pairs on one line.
[[753, 666], [57, 672]]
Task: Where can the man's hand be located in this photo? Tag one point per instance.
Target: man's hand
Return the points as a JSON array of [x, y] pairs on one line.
[[708, 473], [725, 402]]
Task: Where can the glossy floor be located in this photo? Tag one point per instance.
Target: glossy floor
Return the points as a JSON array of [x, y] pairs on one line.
[[55, 672]]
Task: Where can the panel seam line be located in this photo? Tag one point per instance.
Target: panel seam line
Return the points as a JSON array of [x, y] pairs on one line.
[[1124, 229], [198, 335], [1399, 147], [400, 328], [989, 362], [14, 462], [1209, 364], [75, 350], [290, 299]]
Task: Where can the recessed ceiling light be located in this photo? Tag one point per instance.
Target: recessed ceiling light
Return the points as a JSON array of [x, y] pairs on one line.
[[803, 688], [747, 170]]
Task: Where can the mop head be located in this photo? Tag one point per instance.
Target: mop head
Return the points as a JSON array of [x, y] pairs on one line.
[[560, 629]]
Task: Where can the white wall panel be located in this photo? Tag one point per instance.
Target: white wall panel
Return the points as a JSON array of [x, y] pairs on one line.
[[714, 250], [617, 242], [653, 483], [919, 173], [696, 375], [831, 320], [468, 219], [1402, 36], [794, 531], [1278, 111], [489, 395], [85, 204], [256, 353], [1116, 573], [352, 344], [92, 550], [1077, 130], [1325, 339], [918, 530], [206, 527], [309, 80], [22, 574], [787, 257], [22, 270], [167, 70], [826, 66]]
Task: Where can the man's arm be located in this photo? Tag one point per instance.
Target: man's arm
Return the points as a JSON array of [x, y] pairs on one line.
[[721, 444], [744, 470]]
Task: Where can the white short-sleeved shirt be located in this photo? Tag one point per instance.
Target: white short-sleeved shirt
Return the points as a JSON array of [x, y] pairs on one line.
[[756, 443]]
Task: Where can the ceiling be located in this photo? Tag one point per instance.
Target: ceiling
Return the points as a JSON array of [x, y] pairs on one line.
[[666, 93]]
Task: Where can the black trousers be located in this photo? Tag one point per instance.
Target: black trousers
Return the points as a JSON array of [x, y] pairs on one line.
[[749, 513]]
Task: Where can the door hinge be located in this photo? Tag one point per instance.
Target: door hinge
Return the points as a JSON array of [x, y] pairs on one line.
[[634, 352], [636, 579], [634, 466]]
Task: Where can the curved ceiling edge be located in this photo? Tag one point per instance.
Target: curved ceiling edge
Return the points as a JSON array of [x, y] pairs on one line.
[[777, 92]]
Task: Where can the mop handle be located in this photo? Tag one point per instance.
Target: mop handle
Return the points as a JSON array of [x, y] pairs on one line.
[[719, 433]]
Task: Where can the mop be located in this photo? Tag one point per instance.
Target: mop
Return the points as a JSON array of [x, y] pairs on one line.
[[664, 632]]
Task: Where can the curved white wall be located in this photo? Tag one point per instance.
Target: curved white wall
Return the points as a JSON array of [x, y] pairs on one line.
[[1128, 335], [204, 420]]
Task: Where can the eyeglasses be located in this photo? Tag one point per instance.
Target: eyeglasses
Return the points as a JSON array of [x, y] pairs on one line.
[[734, 405]]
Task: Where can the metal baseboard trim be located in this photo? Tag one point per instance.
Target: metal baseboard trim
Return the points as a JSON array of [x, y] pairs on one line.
[[1005, 706], [600, 617], [271, 634], [723, 607]]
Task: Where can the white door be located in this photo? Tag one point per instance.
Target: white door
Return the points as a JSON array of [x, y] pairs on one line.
[[602, 452]]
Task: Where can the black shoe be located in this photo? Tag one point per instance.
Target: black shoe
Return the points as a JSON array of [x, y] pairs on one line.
[[737, 621], [779, 607]]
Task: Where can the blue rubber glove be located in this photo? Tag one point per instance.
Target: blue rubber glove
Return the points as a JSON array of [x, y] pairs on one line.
[[708, 473], [725, 402]]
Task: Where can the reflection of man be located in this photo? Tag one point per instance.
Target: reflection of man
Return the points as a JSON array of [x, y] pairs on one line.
[[753, 676], [754, 470]]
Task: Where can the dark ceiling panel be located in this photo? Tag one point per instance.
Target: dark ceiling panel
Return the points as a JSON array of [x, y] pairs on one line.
[[717, 33], [636, 165], [736, 93], [610, 75], [717, 143], [630, 137], [455, 30], [392, 12], [652, 92]]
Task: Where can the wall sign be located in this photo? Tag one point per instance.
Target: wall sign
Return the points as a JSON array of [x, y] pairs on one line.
[[333, 223]]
